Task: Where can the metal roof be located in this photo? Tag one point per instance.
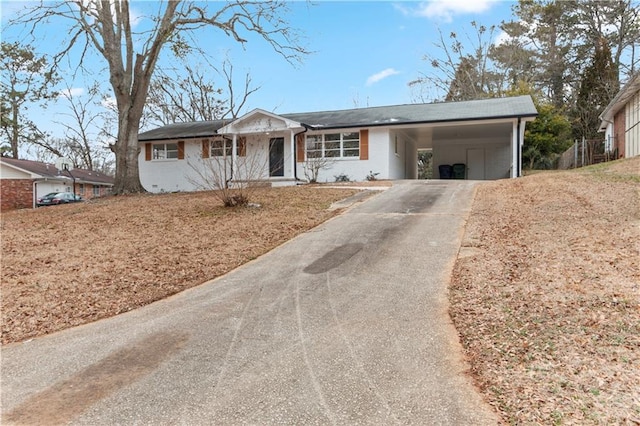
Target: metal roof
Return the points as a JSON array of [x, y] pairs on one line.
[[484, 109]]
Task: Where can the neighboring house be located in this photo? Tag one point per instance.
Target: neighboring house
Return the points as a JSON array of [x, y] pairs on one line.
[[621, 121], [23, 181], [486, 135]]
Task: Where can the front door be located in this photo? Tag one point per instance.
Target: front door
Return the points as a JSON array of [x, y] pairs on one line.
[[276, 157], [475, 164]]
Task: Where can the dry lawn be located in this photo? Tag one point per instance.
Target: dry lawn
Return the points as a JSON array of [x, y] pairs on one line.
[[68, 265], [546, 296], [545, 293]]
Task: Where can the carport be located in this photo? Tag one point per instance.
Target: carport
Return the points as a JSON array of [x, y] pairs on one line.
[[488, 145]]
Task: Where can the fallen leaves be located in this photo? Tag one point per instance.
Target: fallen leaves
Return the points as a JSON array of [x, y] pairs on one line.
[[548, 304], [68, 265]]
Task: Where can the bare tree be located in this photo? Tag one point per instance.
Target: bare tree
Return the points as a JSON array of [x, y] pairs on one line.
[[81, 141], [463, 74], [192, 95], [106, 27]]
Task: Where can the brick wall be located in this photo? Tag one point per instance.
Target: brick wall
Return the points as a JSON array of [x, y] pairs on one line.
[[87, 193], [619, 130], [16, 194]]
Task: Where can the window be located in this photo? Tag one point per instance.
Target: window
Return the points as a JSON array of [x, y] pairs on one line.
[[96, 191], [165, 151], [81, 189], [333, 145], [314, 146], [221, 148]]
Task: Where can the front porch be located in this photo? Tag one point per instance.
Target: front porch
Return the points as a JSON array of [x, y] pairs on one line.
[[263, 148]]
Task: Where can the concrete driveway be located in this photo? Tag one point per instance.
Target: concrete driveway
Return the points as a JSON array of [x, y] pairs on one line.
[[346, 324]]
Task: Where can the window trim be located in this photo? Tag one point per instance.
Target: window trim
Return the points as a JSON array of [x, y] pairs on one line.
[[226, 150], [154, 151], [341, 149]]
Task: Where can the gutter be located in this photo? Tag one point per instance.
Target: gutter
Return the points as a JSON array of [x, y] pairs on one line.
[[411, 123]]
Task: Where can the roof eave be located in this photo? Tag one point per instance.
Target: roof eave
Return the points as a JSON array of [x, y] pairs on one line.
[[531, 116]]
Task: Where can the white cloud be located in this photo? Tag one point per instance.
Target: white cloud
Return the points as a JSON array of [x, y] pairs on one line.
[[447, 9], [501, 38], [381, 75], [109, 102], [71, 92]]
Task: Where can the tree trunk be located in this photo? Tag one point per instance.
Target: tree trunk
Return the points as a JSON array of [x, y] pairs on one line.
[[14, 130], [127, 179]]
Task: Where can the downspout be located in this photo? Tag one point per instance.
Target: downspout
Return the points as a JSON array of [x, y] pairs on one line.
[[234, 151], [295, 151], [519, 156]]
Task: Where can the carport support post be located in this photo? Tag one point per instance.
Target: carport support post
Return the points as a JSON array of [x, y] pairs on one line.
[[521, 126], [293, 154], [515, 150]]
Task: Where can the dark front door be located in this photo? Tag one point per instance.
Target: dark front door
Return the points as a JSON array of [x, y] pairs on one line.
[[276, 157]]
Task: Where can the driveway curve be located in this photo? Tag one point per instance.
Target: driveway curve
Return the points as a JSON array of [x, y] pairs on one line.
[[345, 324]]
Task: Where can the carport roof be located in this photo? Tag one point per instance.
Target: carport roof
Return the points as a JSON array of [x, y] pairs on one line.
[[484, 109]]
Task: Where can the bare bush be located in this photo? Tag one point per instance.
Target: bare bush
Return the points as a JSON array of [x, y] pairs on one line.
[[232, 179], [312, 167]]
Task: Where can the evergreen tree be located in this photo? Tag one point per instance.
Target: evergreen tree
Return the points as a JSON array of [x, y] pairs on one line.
[[25, 80], [598, 86]]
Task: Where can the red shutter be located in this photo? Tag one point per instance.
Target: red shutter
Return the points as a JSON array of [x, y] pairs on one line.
[[364, 144], [181, 150], [147, 152], [205, 148], [300, 148]]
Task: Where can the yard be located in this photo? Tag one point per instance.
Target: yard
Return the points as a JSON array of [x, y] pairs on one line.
[[545, 292], [546, 296], [72, 264]]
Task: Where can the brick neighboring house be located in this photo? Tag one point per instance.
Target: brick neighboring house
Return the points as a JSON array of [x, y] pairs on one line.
[[23, 181], [621, 121]]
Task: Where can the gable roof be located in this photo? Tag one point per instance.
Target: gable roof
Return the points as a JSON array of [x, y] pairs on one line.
[[258, 114], [484, 109], [40, 170]]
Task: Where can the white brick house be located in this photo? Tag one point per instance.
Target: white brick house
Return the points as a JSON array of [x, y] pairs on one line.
[[485, 135]]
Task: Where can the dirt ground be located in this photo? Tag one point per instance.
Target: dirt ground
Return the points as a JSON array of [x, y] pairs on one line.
[[545, 293], [546, 296]]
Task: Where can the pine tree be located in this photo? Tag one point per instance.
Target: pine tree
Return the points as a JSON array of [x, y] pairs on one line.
[[598, 86]]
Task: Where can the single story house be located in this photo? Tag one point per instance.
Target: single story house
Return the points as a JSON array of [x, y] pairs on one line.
[[22, 182], [485, 135], [621, 121]]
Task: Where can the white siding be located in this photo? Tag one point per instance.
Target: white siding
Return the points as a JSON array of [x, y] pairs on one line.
[[397, 156], [356, 169], [632, 126], [11, 173], [186, 175], [170, 175]]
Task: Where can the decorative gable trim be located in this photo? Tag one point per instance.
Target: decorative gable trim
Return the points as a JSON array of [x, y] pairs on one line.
[[260, 121]]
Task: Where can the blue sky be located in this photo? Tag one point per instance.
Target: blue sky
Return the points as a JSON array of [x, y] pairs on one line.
[[364, 53]]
